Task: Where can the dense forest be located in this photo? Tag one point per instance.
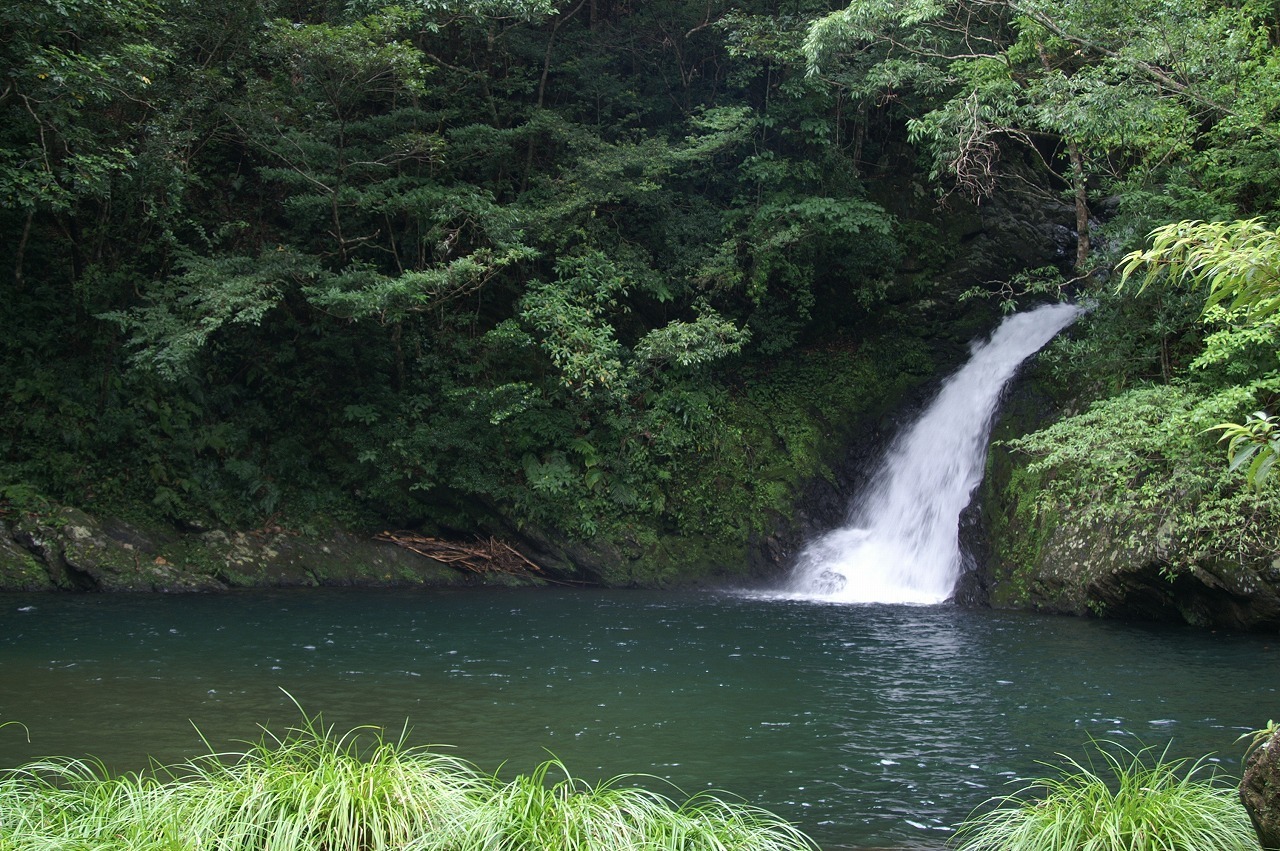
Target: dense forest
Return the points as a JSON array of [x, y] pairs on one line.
[[622, 279]]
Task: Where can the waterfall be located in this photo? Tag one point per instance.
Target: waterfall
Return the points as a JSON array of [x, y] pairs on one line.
[[901, 544]]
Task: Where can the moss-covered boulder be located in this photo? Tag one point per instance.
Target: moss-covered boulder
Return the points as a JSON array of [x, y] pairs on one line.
[[78, 552], [278, 558], [1126, 510], [1059, 562]]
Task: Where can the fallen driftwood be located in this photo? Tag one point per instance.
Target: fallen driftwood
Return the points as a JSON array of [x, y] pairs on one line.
[[482, 557]]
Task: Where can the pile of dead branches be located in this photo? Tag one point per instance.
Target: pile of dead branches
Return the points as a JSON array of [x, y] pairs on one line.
[[482, 557]]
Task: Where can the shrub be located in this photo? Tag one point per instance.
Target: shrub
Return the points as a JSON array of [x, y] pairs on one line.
[[1138, 802]]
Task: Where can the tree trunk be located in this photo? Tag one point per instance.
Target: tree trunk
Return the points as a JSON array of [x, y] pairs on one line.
[[21, 253], [1081, 185]]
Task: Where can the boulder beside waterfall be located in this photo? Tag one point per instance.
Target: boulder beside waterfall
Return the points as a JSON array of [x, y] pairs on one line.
[[1055, 564], [1036, 551]]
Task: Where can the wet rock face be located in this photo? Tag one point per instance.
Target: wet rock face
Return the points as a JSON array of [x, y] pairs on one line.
[[1055, 564], [19, 568], [1260, 791]]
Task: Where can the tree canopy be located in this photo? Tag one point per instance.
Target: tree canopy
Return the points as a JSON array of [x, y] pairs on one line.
[[603, 268]]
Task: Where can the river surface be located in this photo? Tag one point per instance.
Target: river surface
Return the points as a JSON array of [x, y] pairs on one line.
[[869, 725]]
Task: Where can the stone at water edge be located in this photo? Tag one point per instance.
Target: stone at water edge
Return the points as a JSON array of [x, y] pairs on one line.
[[1260, 791]]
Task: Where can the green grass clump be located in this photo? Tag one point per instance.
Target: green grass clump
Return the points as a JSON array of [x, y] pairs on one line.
[[531, 812], [1139, 801], [311, 790]]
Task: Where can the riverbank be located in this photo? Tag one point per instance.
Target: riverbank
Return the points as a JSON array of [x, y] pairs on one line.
[[66, 549]]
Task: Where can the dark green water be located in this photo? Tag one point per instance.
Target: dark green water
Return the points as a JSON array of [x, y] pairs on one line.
[[871, 726]]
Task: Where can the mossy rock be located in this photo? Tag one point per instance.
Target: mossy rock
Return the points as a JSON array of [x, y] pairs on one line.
[[279, 558], [19, 569], [79, 552], [1043, 555]]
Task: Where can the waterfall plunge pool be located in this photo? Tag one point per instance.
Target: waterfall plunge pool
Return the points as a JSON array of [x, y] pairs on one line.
[[868, 725]]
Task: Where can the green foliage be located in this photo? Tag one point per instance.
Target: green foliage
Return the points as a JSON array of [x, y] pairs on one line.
[[537, 812], [1255, 443], [1046, 281], [1097, 98], [63, 62], [1126, 341], [1139, 465], [1132, 801], [1239, 263], [20, 498], [776, 429], [597, 270], [311, 788], [1258, 737], [189, 308]]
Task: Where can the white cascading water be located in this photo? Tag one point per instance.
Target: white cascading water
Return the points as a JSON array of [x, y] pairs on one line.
[[902, 542]]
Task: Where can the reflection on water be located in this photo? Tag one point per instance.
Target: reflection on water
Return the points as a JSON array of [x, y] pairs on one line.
[[868, 725]]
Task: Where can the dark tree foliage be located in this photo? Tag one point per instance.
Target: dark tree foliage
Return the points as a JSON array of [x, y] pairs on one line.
[[439, 260], [452, 262]]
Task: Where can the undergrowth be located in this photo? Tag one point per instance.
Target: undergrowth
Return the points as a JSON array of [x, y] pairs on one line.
[[1140, 461]]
